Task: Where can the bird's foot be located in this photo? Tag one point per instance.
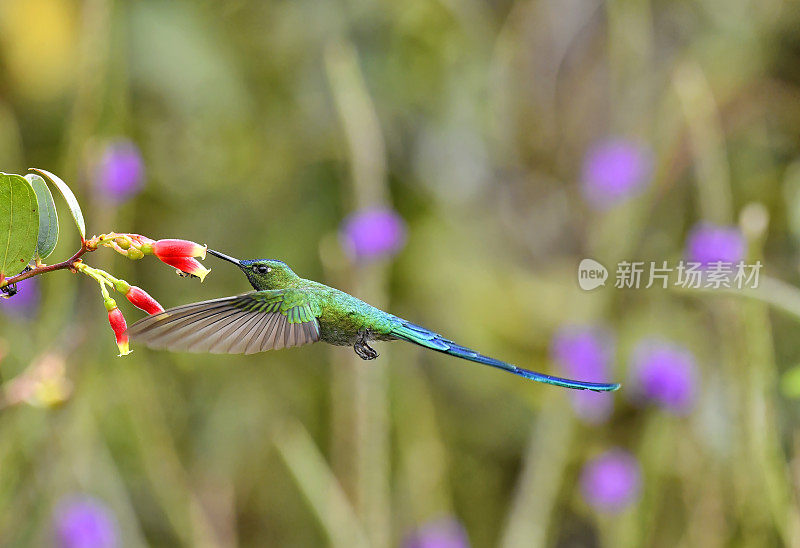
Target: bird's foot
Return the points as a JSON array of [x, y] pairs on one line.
[[363, 349]]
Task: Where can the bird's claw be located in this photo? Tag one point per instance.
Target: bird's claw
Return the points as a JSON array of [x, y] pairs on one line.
[[364, 350]]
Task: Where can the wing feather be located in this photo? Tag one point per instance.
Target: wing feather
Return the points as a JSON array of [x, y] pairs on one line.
[[258, 334], [248, 323], [267, 330], [277, 339], [301, 334], [238, 340], [313, 330], [198, 338], [162, 332], [224, 338], [288, 336], [164, 319]]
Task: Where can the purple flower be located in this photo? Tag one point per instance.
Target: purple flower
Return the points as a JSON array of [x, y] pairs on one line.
[[614, 170], [665, 374], [373, 233], [444, 533], [584, 353], [26, 302], [611, 481], [84, 522], [119, 174], [708, 243]]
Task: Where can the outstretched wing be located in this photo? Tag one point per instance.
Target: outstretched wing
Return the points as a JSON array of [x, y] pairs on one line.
[[248, 323]]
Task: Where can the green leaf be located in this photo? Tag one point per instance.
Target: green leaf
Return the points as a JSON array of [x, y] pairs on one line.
[[72, 202], [48, 218], [19, 223]]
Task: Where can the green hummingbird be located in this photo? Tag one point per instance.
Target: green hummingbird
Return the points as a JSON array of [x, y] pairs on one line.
[[286, 310]]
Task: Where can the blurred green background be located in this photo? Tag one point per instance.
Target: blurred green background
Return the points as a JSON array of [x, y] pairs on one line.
[[263, 125]]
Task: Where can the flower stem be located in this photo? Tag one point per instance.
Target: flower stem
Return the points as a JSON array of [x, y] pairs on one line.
[[42, 268]]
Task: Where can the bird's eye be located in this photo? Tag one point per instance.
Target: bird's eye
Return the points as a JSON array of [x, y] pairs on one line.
[[262, 269]]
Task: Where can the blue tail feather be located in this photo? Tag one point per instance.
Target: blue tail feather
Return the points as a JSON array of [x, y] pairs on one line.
[[416, 334]]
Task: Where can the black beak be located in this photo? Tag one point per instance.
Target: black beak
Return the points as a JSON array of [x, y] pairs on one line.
[[224, 257]]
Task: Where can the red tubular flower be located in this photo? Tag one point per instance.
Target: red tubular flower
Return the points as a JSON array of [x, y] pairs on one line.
[[143, 301], [187, 265], [180, 254], [117, 321], [178, 248]]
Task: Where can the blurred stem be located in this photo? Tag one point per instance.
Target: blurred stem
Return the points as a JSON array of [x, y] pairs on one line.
[[423, 457], [707, 142], [736, 395], [708, 499], [319, 486], [82, 438], [360, 122], [542, 473], [776, 293], [760, 447], [630, 45], [656, 456], [368, 395], [761, 422], [162, 464], [91, 72], [615, 237]]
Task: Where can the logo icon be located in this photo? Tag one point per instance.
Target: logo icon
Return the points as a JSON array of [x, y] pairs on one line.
[[591, 274]]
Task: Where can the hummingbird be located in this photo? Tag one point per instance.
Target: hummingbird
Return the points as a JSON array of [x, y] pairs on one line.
[[285, 310]]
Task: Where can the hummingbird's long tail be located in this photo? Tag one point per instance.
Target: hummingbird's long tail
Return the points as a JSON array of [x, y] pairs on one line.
[[416, 334]]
